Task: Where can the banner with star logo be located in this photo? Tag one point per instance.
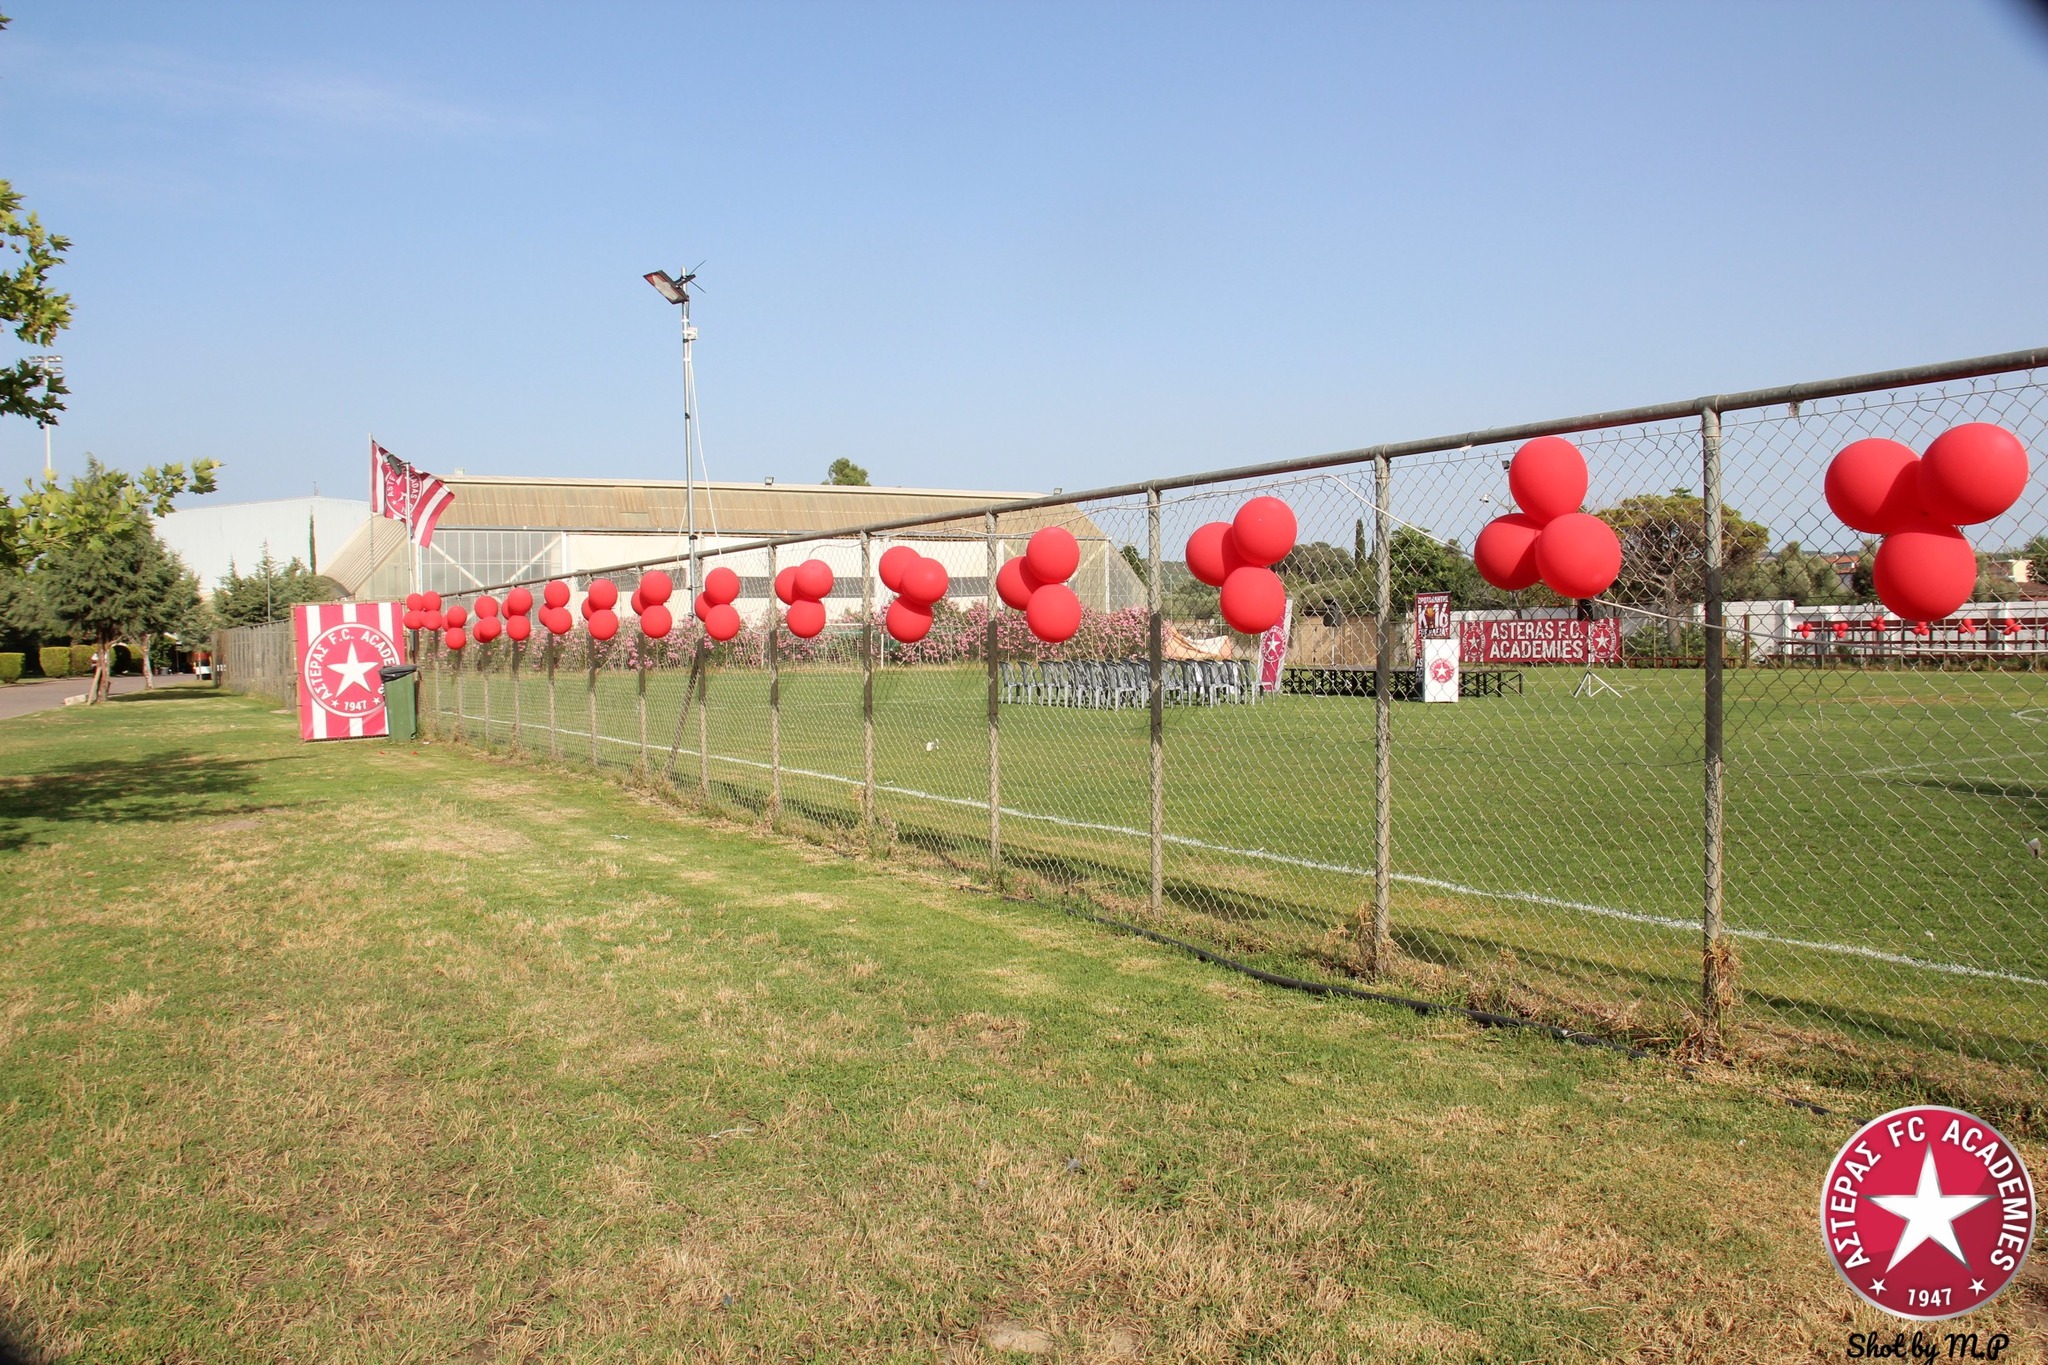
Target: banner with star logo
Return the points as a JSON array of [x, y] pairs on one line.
[[341, 647]]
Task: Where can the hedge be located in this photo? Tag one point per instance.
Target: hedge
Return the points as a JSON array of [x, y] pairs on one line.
[[81, 660], [55, 660], [10, 668]]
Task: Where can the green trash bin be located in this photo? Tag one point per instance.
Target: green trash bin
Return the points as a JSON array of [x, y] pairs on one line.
[[401, 700]]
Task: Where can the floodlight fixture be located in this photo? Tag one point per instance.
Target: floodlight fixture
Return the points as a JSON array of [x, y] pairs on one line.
[[666, 287]]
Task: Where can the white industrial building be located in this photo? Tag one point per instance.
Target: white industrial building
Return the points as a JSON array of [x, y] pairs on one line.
[[215, 538]]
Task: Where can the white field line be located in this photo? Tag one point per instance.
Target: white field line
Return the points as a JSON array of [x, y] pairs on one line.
[[1948, 763], [1411, 879]]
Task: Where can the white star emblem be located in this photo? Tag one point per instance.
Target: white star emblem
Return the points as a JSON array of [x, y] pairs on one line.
[[1930, 1215], [1976, 1286], [354, 673], [1877, 1286]]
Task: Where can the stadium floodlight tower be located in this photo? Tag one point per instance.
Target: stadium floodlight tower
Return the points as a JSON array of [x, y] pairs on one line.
[[49, 367], [677, 291]]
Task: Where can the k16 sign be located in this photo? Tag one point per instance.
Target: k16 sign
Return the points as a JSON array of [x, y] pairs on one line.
[[1540, 642], [342, 645]]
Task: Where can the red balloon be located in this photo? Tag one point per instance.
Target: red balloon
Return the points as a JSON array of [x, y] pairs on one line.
[[1920, 628], [1548, 479], [603, 594], [635, 603], [1579, 554], [908, 621], [702, 606], [1925, 571], [1968, 625], [814, 580], [414, 602], [656, 621], [721, 586], [1254, 599], [806, 618], [518, 602], [487, 628], [586, 608], [518, 627], [1054, 613], [722, 622], [785, 586], [924, 582], [558, 620], [1015, 584], [486, 606], [1213, 553], [431, 619], [454, 616], [2009, 626], [1053, 554], [414, 618], [1873, 485], [454, 638], [1263, 531], [1972, 473], [656, 587], [1877, 623], [604, 623], [431, 602], [893, 562], [1505, 553], [555, 594], [1841, 629]]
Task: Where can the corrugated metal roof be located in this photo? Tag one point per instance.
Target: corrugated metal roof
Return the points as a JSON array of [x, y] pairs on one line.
[[742, 509]]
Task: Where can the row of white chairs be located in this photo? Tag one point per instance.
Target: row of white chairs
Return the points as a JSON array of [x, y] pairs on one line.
[[1113, 684]]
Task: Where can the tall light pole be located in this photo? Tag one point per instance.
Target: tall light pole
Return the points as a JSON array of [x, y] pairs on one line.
[[677, 291], [51, 367]]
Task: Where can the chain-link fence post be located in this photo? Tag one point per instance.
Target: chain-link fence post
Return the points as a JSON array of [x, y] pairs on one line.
[[774, 694], [554, 730], [591, 692], [458, 736], [1155, 684], [1379, 955], [1717, 983], [640, 699], [517, 678], [483, 680], [867, 684], [995, 748], [704, 725]]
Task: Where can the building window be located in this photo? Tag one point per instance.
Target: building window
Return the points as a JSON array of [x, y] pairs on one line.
[[461, 561]]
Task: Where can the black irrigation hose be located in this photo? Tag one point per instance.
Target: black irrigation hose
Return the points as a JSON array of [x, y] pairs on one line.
[[1425, 1007]]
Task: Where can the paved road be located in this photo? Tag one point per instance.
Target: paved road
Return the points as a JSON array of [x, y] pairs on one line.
[[42, 694]]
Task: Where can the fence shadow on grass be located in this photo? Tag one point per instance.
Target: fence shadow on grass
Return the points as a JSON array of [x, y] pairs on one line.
[[165, 787]]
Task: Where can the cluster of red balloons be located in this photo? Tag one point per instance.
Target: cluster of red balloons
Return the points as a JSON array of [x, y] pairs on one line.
[[715, 603], [803, 589], [1237, 556], [1035, 583], [1926, 567], [518, 622], [650, 604], [423, 611], [600, 608], [1574, 554], [554, 608], [918, 582]]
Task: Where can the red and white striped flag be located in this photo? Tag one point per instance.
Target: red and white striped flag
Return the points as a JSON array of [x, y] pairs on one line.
[[341, 645], [402, 493]]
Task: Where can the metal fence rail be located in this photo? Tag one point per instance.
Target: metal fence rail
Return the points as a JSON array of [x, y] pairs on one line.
[[258, 659], [1825, 864]]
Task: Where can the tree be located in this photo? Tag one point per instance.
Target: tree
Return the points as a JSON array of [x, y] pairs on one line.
[[846, 474], [1791, 574], [28, 304], [270, 593], [99, 505], [1419, 562], [118, 589], [1663, 551]]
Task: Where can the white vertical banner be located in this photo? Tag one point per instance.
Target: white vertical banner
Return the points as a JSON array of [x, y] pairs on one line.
[[1438, 664], [341, 647]]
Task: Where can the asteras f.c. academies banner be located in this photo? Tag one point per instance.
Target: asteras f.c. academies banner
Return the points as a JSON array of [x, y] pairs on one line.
[[342, 645]]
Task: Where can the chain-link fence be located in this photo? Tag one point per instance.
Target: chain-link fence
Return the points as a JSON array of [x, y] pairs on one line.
[[258, 659], [1743, 816]]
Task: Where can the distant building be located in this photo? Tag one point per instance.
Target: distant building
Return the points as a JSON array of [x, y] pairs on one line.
[[500, 530], [216, 538]]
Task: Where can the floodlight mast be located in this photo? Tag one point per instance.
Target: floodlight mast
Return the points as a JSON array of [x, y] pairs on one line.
[[677, 291]]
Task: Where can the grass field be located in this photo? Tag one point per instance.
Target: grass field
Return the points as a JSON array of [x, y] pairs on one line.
[[397, 1053], [1888, 911]]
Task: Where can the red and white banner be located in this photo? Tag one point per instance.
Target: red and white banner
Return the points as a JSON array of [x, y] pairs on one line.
[[402, 493], [1273, 650], [1540, 642], [342, 645]]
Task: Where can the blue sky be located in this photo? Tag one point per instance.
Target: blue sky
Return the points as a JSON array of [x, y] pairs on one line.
[[1015, 246]]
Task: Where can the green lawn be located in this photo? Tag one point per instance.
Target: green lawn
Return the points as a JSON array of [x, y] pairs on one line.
[[1872, 817], [368, 1052]]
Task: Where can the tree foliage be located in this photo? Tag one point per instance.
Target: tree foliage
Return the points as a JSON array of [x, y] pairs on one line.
[[844, 473], [269, 592], [99, 506], [1663, 548], [36, 312], [1789, 574], [121, 589]]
